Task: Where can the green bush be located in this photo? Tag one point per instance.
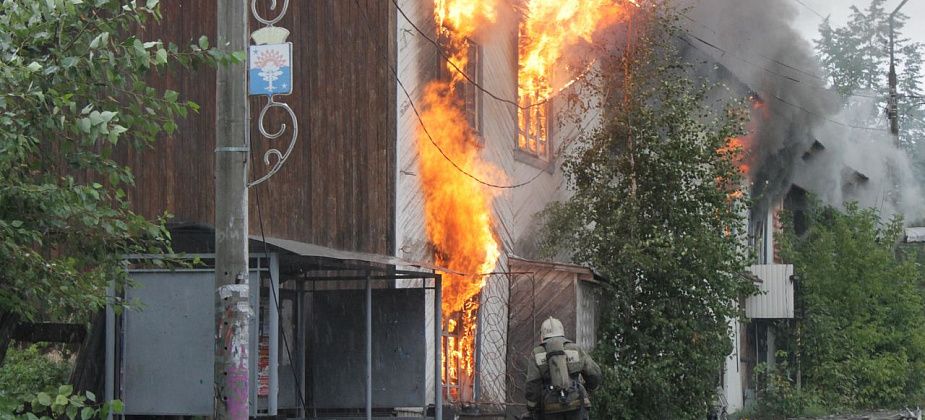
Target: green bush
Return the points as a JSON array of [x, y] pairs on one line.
[[778, 396], [28, 371], [63, 403]]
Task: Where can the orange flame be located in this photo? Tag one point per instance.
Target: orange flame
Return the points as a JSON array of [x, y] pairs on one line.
[[457, 208], [457, 214], [548, 29], [742, 147]]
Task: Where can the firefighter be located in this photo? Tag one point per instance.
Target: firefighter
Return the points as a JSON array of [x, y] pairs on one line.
[[559, 376]]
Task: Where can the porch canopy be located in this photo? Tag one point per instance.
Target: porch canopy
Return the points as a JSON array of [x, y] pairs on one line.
[[360, 364]]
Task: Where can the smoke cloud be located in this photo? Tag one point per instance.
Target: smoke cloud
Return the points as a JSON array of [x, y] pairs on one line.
[[803, 136]]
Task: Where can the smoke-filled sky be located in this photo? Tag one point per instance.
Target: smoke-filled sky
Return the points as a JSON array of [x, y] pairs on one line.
[[764, 47], [807, 23]]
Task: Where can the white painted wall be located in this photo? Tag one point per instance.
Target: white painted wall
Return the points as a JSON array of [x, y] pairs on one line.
[[513, 210], [733, 371]]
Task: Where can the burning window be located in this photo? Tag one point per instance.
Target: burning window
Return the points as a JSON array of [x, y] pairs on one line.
[[468, 93], [533, 91], [533, 127], [458, 351]]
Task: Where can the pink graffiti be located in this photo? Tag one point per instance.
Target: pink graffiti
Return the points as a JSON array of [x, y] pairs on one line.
[[237, 392]]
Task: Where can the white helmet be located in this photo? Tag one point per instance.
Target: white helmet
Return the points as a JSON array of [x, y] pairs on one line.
[[551, 328]]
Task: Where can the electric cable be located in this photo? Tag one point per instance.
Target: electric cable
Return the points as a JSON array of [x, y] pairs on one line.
[[773, 60], [778, 62], [843, 124], [423, 126], [279, 311], [449, 61], [772, 72], [810, 9]]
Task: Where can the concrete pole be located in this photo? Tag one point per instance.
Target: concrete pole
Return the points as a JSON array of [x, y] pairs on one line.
[[232, 308], [894, 97]]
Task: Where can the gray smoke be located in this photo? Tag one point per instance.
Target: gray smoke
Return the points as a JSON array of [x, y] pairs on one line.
[[802, 136]]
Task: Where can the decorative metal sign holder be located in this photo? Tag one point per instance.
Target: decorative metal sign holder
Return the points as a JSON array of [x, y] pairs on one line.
[[270, 74]]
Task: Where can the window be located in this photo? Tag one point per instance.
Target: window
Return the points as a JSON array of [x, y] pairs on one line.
[[472, 95], [533, 123], [468, 93]]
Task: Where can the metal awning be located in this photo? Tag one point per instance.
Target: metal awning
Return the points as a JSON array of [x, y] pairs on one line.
[[388, 266], [318, 251]]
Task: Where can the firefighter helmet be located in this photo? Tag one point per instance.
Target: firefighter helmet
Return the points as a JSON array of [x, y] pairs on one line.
[[551, 328]]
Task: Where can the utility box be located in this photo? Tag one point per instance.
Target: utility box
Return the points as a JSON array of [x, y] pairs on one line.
[[160, 351], [775, 297]]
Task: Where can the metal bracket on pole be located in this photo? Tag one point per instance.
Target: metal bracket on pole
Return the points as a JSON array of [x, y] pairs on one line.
[[270, 73]]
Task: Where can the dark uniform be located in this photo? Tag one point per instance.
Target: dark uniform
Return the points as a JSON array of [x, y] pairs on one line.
[[559, 376]]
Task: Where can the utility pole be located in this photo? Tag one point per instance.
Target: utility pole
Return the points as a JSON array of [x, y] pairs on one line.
[[894, 99], [232, 307]]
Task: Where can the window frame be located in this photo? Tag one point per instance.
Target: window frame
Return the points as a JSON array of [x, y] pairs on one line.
[[545, 159]]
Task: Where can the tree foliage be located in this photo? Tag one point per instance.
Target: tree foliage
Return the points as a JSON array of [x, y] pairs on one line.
[[863, 340], [653, 209], [74, 87], [856, 59]]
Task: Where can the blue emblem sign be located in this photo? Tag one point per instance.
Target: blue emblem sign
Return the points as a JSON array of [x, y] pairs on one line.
[[270, 69]]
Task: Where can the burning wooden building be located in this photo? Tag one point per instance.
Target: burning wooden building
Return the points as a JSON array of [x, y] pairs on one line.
[[429, 138]]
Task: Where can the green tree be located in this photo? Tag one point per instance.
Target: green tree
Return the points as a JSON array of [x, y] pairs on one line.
[[73, 88], [654, 211], [856, 59], [864, 329]]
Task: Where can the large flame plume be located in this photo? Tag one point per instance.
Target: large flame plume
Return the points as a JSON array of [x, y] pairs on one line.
[[548, 29], [742, 148], [457, 208]]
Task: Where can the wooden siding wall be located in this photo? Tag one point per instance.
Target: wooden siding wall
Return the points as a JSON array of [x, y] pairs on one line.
[[588, 314], [534, 297], [337, 189], [512, 211]]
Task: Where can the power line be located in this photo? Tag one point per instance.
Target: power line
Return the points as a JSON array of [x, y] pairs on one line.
[[781, 75], [468, 78], [273, 291], [810, 9], [420, 119], [773, 60], [843, 124]]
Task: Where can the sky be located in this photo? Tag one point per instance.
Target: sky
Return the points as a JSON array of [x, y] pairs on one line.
[[808, 21]]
